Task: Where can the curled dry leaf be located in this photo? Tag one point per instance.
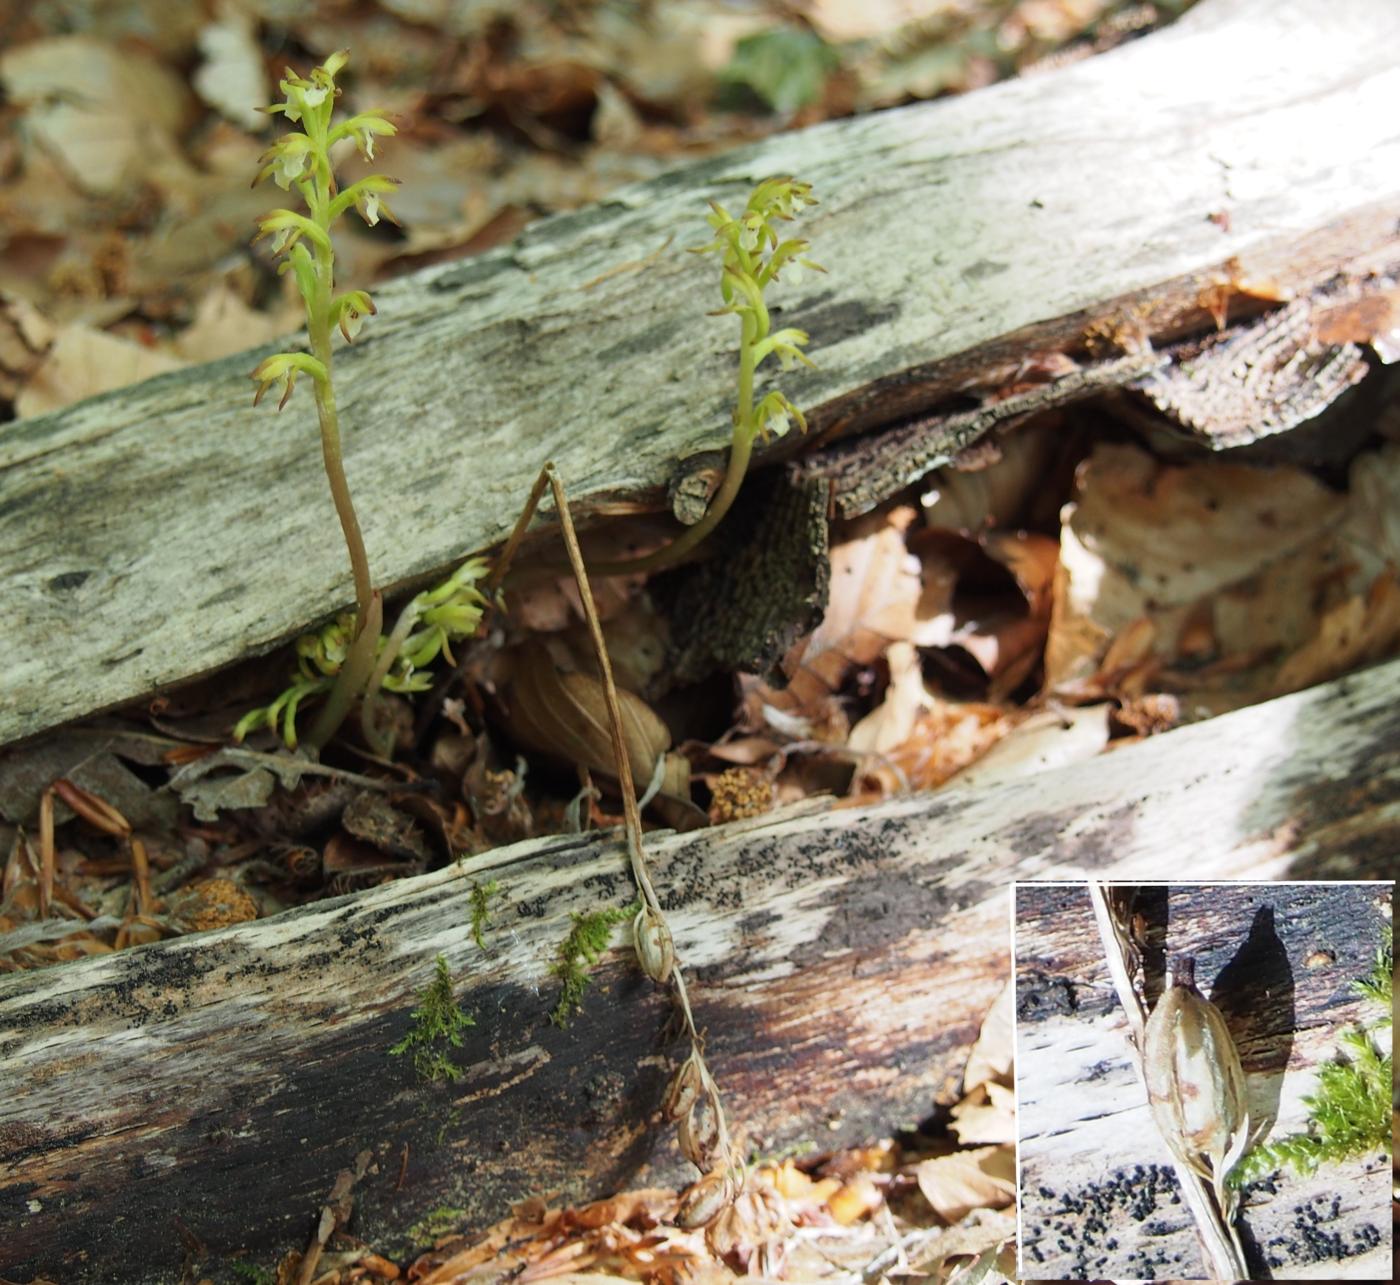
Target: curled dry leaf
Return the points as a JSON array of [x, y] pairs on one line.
[[874, 600], [991, 1055], [947, 736], [1198, 576], [987, 1114], [981, 1178], [960, 499], [565, 715]]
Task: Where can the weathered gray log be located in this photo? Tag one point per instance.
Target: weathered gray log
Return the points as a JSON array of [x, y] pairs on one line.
[[1097, 1186], [168, 529], [841, 964]]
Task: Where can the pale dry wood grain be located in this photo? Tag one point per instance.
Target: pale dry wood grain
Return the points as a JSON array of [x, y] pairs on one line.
[[843, 963], [168, 529]]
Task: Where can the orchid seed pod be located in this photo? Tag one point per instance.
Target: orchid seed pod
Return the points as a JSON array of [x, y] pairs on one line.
[[655, 948], [1195, 1084], [705, 1199], [699, 1129], [684, 1089]]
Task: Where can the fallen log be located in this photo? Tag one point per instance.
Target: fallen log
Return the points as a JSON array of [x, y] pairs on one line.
[[204, 1092], [1097, 1188], [966, 241]]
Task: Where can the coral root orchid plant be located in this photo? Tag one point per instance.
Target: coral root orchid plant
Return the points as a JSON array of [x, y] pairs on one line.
[[348, 656], [752, 252], [301, 159]]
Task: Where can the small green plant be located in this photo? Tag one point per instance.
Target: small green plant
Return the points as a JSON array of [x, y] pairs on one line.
[[481, 910], [435, 1223], [786, 68], [301, 159], [425, 630], [752, 252], [252, 1272], [437, 1025], [1350, 1113], [579, 951]]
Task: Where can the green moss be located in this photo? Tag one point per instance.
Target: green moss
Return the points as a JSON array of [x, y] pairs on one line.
[[481, 910], [252, 1272], [579, 951], [436, 1222], [1350, 1112], [794, 1151], [437, 1025]]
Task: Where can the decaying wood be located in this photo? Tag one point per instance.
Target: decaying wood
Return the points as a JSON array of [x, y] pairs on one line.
[[842, 964], [168, 529], [1097, 1186]]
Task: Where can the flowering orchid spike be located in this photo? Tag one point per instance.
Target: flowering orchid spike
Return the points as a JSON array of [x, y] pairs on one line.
[[283, 368], [751, 251], [364, 128], [351, 310]]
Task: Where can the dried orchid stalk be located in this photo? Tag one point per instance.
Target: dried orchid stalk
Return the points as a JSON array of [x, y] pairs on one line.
[[692, 1099], [1191, 1072]]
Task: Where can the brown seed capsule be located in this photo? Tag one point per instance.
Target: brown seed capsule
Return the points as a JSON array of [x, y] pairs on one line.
[[1195, 1084], [655, 949], [705, 1200], [684, 1089], [698, 1130]]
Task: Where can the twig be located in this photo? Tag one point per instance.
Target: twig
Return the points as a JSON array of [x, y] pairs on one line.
[[693, 1097], [334, 1213]]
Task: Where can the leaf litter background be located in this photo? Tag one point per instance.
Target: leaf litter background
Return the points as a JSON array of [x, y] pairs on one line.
[[1071, 586]]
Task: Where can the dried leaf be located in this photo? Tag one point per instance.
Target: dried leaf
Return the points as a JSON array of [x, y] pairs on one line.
[[224, 324], [971, 500], [232, 78], [982, 1178], [82, 363], [992, 1054], [892, 722], [987, 1114], [874, 600], [108, 115], [565, 715], [946, 738], [855, 1200], [1167, 555], [210, 795]]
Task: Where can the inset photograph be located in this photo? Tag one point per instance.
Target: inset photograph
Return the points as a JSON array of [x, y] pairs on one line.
[[1204, 1080]]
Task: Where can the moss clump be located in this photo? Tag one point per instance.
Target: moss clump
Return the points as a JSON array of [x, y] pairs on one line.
[[435, 1223], [579, 951], [1350, 1112], [481, 911], [437, 1024]]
